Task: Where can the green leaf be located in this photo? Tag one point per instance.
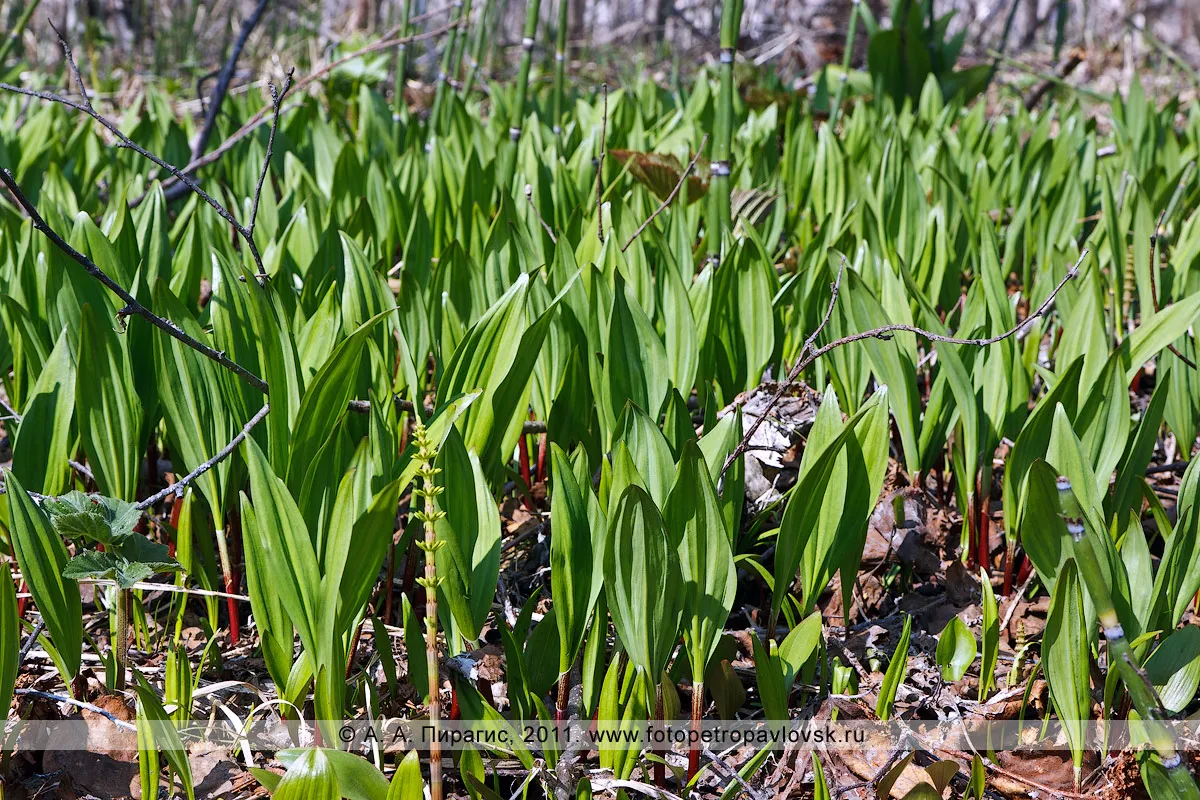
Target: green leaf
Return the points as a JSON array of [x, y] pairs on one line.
[[574, 582], [469, 563], [93, 517], [163, 734], [1174, 668], [693, 522], [110, 413], [1157, 332], [199, 422], [641, 579], [807, 509], [42, 558], [324, 403], [310, 777], [407, 783], [355, 777], [895, 674], [1066, 659], [91, 565], [9, 638], [635, 362], [956, 649], [43, 441], [276, 634], [990, 638]]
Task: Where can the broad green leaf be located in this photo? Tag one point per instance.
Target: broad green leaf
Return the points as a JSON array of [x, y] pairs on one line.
[[694, 524], [641, 580], [355, 777], [43, 441], [407, 783], [1157, 332], [1066, 660], [635, 368], [197, 419], [324, 403], [469, 563], [1174, 668], [310, 777], [990, 636], [42, 557], [110, 413], [574, 581], [956, 649]]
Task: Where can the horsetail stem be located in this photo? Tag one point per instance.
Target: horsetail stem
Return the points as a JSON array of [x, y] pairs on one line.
[[719, 209], [402, 58], [477, 49], [560, 65], [509, 162], [428, 517], [444, 70], [1141, 692]]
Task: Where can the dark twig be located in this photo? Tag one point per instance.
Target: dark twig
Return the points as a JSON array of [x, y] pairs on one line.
[[721, 765], [545, 226], [260, 116], [29, 640], [125, 142], [225, 452], [82, 469], [276, 101], [808, 355], [132, 306], [785, 384], [1154, 289], [224, 78], [600, 168], [671, 197]]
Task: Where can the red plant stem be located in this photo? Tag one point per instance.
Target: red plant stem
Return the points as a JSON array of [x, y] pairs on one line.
[[391, 583], [350, 652], [1009, 556], [984, 528], [543, 447], [22, 603], [176, 511], [660, 772], [231, 581], [697, 714], [523, 446], [1026, 568], [564, 690]]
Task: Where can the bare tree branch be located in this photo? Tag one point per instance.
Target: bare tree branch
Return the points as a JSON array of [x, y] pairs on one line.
[[132, 306], [808, 355], [225, 76], [178, 486], [671, 197], [260, 116], [125, 142], [276, 101]]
